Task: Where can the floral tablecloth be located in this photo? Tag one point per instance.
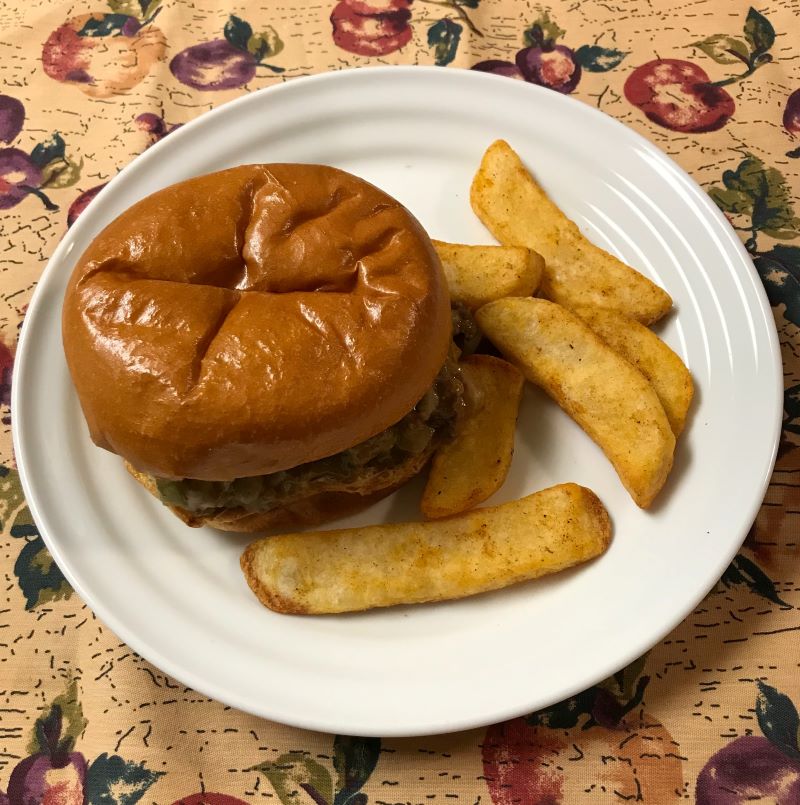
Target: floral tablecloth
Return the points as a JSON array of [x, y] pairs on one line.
[[710, 714]]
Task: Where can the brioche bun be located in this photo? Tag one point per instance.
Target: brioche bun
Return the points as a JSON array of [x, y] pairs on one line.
[[252, 320]]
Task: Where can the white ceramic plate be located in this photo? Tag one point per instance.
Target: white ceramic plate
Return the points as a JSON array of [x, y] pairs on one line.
[[176, 595]]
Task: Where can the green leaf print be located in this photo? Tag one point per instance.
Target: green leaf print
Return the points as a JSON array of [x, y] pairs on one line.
[[299, 780], [11, 497], [62, 721], [758, 31], [39, 577], [779, 269], [745, 572], [354, 760], [111, 780], [238, 32], [724, 49], [778, 719], [443, 37], [542, 29]]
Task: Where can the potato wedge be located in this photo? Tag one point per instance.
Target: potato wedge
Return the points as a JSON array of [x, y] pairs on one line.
[[473, 466], [609, 398], [518, 212], [408, 563], [651, 356], [480, 274]]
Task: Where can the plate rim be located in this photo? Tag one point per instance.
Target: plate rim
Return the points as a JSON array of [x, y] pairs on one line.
[[25, 353]]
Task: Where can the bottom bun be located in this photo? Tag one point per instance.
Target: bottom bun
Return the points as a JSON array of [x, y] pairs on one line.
[[305, 512]]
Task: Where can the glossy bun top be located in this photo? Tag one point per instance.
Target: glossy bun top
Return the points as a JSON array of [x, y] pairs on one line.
[[254, 319]]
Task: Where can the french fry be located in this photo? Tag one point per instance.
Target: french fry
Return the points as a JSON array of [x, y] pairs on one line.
[[651, 356], [480, 274], [354, 569], [473, 466], [609, 398], [518, 212]]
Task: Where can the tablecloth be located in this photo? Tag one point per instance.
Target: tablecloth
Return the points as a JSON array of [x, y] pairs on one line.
[[710, 714]]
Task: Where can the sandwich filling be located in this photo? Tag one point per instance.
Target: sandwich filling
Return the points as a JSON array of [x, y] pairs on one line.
[[366, 467]]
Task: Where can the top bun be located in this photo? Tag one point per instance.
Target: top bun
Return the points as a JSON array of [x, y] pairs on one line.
[[254, 319]]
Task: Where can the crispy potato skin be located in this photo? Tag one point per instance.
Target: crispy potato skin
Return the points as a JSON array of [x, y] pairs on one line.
[[607, 396], [480, 274], [473, 466], [651, 356], [518, 212], [384, 565]]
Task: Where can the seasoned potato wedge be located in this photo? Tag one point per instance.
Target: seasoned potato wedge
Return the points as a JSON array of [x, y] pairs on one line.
[[473, 466], [480, 274], [518, 212], [608, 397], [407, 563], [651, 356]]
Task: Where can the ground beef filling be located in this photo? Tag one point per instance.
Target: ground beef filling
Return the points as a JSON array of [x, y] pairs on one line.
[[429, 424]]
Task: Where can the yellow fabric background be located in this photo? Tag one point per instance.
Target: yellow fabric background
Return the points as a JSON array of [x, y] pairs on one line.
[[702, 677]]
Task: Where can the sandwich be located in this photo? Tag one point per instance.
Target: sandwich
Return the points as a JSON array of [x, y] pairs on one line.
[[266, 346]]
